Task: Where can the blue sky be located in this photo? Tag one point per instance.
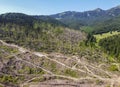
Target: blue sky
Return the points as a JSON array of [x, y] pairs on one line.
[[46, 7]]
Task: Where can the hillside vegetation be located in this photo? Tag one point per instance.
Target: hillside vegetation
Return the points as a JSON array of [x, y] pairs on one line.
[[111, 45], [105, 35]]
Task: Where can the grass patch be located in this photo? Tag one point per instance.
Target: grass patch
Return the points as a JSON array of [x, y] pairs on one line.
[[71, 73], [8, 79], [87, 29], [113, 68], [29, 70], [1, 86], [9, 49]]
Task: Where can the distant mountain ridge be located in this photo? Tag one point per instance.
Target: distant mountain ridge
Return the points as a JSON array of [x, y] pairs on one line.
[[20, 18], [86, 17], [71, 19]]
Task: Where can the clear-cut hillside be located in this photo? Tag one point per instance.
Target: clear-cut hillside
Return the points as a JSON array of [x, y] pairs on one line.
[[41, 51], [22, 67]]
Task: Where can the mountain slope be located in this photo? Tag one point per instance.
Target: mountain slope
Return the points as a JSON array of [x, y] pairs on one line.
[[39, 34], [107, 26]]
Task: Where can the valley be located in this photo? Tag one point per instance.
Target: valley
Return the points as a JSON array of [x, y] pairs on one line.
[[67, 49]]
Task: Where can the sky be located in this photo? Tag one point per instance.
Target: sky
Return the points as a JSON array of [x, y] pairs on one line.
[[47, 7]]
